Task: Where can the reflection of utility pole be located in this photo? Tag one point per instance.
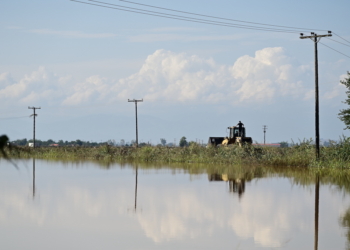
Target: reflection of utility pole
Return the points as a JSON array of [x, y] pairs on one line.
[[316, 38], [34, 115], [317, 201], [137, 168], [33, 178], [136, 101], [264, 128]]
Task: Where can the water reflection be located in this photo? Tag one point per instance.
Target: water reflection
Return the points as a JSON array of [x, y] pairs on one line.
[[236, 184], [33, 178], [317, 202], [86, 202], [345, 222], [136, 176]]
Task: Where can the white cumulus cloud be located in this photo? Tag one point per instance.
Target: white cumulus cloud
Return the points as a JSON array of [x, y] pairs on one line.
[[173, 77]]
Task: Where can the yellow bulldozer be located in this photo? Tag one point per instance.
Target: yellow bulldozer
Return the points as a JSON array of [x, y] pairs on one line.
[[237, 135]]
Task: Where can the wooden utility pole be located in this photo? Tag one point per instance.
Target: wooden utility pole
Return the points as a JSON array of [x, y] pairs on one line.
[[264, 128], [137, 136], [316, 38], [34, 115]]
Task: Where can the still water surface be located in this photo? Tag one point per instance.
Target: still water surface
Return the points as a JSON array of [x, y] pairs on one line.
[[89, 206]]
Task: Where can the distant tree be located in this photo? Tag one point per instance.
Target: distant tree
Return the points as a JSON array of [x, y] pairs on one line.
[[162, 141], [284, 144], [122, 142], [111, 142], [79, 142], [183, 142], [344, 114], [48, 142], [20, 142], [38, 143]]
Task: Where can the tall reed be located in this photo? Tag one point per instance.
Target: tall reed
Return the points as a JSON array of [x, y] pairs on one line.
[[300, 155]]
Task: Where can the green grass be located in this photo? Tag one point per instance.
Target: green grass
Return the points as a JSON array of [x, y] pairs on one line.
[[301, 155]]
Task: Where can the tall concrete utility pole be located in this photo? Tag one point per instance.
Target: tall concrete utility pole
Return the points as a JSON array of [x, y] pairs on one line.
[[316, 38], [34, 115], [137, 136], [264, 128]]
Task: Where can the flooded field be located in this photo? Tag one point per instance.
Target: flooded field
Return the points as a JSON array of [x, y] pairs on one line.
[[86, 205]]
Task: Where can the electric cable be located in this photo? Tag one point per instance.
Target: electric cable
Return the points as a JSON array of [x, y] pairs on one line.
[[189, 19], [228, 19], [15, 117], [341, 37], [338, 42], [204, 21], [177, 16], [334, 49]]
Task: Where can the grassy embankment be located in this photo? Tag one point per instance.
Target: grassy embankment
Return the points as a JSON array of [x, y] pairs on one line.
[[302, 155]]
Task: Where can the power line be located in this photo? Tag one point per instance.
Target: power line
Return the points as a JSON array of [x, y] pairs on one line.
[[161, 13], [341, 37], [334, 50], [338, 42], [14, 117], [190, 19], [216, 17], [203, 21]]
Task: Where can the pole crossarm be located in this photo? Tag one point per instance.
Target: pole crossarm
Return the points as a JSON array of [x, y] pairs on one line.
[[134, 100], [305, 37]]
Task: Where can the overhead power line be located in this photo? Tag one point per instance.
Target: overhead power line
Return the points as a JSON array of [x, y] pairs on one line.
[[338, 42], [216, 17], [184, 18], [14, 117], [334, 49], [231, 24], [341, 38], [178, 16]]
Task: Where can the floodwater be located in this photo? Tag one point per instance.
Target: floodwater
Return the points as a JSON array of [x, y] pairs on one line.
[[66, 205]]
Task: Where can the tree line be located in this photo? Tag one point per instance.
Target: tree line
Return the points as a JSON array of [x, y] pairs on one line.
[[122, 143]]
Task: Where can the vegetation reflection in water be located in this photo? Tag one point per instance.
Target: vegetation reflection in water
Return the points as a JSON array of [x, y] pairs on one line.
[[238, 175]]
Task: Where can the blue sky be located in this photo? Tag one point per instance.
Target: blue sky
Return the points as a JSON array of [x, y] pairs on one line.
[[81, 63]]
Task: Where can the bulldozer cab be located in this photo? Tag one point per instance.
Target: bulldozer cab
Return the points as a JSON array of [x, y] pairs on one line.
[[237, 132]]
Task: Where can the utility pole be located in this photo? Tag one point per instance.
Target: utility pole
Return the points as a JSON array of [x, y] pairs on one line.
[[316, 38], [264, 128], [137, 136], [34, 115]]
